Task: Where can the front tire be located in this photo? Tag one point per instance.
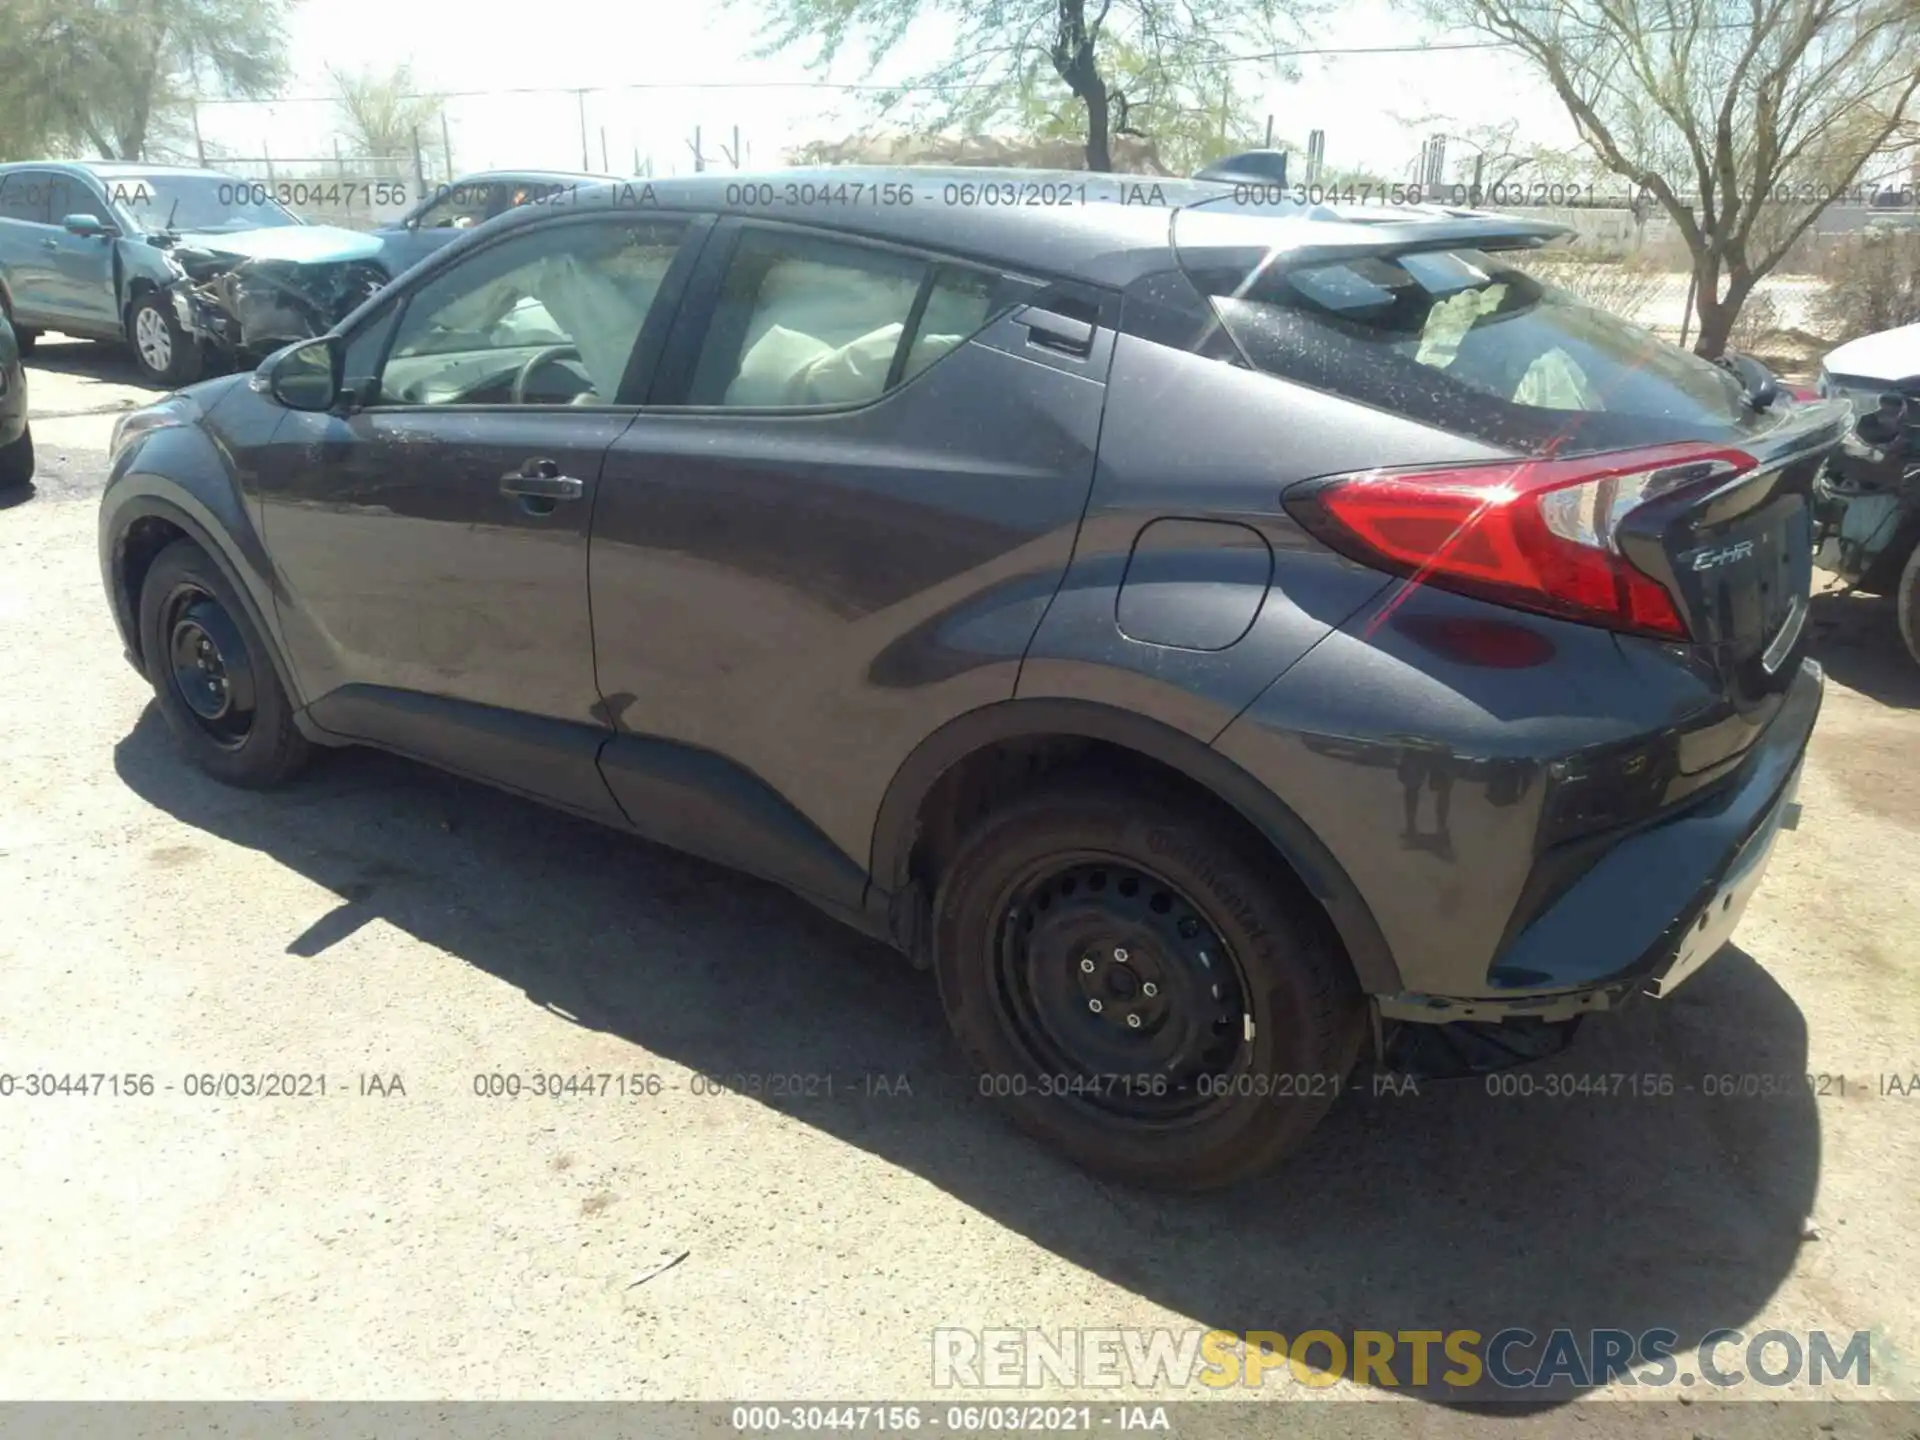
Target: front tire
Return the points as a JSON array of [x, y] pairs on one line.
[[164, 354], [1907, 601], [212, 674], [16, 461], [1143, 986]]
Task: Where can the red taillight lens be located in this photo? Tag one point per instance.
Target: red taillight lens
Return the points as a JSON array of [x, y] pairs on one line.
[[1538, 535]]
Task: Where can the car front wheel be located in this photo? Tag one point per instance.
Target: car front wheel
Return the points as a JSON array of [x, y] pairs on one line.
[[211, 673], [1140, 984], [164, 353], [16, 461], [1907, 597]]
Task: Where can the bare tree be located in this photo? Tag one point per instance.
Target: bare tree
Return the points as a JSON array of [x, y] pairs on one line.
[[1504, 160], [381, 113], [1739, 118], [1152, 69]]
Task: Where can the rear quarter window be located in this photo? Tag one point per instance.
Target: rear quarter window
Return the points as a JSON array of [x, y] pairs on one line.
[[1472, 343]]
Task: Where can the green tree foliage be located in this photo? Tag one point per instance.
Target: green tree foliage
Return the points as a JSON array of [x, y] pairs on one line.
[[113, 77], [1155, 70]]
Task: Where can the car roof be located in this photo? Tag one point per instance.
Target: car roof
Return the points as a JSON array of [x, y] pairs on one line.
[[1107, 229], [111, 168], [511, 176]]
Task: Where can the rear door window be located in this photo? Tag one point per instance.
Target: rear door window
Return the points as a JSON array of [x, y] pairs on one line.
[[1470, 342], [803, 321], [25, 195]]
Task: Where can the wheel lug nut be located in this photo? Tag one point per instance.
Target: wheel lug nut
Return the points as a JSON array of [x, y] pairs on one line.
[[1095, 1006], [1149, 989], [1133, 1022], [1086, 964], [1121, 956]]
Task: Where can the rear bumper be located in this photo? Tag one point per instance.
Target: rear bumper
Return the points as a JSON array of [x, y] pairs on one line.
[[1668, 898]]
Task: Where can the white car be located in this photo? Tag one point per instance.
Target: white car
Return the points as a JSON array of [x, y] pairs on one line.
[[1866, 368], [1868, 497]]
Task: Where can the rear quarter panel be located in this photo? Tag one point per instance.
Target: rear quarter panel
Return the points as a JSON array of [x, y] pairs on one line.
[[1192, 438]]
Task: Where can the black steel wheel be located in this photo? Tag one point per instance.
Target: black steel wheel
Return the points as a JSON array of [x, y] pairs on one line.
[[1142, 982], [212, 675], [210, 668], [1108, 971]]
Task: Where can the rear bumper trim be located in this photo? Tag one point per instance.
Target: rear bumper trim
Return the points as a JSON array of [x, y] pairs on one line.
[[1684, 912]]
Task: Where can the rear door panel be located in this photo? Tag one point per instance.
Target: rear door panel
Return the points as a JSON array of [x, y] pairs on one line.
[[810, 594]]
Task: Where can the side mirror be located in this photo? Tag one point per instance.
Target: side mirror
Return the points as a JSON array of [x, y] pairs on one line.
[[304, 376], [81, 224]]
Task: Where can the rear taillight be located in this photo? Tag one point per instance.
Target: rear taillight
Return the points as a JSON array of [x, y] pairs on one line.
[[1538, 535]]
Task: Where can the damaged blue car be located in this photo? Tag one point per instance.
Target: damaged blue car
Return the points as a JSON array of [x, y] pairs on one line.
[[186, 267]]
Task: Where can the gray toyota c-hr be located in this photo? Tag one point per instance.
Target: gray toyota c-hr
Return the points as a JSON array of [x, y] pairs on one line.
[[1217, 636]]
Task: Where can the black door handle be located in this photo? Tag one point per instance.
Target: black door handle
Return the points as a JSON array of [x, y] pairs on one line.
[[541, 480], [1055, 331]]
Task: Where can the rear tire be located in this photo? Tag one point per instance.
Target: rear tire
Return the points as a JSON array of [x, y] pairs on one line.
[[16, 461], [213, 675], [1907, 602], [164, 354], [1053, 922]]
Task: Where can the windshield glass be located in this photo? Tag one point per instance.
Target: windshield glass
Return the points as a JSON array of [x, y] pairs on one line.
[[1469, 341], [195, 202]]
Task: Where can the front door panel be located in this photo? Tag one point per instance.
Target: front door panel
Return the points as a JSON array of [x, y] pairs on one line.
[[407, 571]]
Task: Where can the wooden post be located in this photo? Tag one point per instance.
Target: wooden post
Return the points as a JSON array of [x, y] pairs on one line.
[[1269, 144]]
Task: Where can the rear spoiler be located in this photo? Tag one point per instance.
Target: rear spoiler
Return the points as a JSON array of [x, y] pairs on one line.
[[1219, 234]]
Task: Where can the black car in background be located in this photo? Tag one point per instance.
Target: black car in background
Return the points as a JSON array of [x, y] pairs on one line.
[[446, 212], [1204, 631]]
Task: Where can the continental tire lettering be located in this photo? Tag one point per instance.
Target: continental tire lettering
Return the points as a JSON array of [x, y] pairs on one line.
[[1174, 847]]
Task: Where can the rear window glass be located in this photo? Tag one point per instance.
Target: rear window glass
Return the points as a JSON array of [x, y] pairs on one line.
[[1472, 343]]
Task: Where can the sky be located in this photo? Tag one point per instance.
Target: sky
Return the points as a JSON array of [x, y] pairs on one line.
[[690, 56]]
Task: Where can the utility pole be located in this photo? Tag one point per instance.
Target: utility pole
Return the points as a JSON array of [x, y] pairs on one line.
[[1269, 141], [446, 146], [580, 97], [699, 159], [604, 165], [199, 145]]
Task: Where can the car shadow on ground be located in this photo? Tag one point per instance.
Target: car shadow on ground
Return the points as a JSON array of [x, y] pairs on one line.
[[89, 359], [1857, 638], [1655, 1205]]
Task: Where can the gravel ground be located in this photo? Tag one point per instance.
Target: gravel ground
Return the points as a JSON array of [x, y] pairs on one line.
[[400, 933]]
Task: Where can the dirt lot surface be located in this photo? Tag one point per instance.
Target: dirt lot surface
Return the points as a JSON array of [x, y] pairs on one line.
[[400, 933]]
